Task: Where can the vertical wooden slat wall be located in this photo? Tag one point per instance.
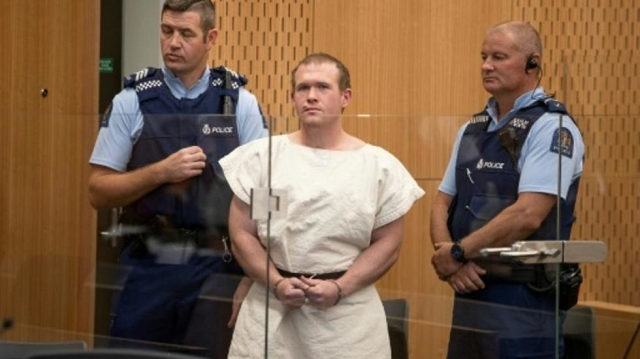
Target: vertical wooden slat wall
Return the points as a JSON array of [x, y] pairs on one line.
[[263, 40], [417, 63], [594, 57]]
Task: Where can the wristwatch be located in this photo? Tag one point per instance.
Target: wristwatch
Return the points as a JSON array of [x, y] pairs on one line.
[[457, 253]]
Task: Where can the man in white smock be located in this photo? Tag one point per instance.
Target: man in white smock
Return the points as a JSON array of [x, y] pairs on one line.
[[342, 230]]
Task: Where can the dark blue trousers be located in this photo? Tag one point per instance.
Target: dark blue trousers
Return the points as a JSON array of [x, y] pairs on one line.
[[504, 320], [181, 307]]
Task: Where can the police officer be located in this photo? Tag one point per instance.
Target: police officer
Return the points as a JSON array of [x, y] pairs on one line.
[[500, 187], [157, 156]]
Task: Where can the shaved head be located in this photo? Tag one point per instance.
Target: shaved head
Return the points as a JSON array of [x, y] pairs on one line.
[[525, 37]]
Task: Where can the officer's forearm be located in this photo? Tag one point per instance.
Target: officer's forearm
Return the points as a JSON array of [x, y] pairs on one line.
[[110, 189], [514, 223], [439, 214]]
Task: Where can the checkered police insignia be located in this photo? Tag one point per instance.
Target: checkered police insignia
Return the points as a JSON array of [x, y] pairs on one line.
[[235, 85], [519, 123], [562, 142], [148, 85], [216, 82]]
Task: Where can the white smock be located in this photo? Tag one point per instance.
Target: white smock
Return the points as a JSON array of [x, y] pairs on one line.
[[335, 200]]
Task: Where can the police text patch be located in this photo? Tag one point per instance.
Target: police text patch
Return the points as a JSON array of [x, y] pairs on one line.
[[562, 142], [104, 121]]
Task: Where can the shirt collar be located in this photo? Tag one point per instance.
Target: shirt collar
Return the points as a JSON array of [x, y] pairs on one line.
[[523, 101], [177, 87]]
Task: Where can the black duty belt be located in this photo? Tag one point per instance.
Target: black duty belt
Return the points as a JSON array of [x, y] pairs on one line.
[[164, 228], [200, 238], [505, 273], [323, 276]]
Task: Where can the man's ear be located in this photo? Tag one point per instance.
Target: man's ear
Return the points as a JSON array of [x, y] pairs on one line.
[[346, 98], [211, 37]]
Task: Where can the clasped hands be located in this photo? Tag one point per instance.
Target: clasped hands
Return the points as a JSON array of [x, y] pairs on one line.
[[464, 278], [295, 292]]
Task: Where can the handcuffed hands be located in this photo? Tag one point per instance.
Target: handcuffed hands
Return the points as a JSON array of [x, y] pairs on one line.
[[295, 292]]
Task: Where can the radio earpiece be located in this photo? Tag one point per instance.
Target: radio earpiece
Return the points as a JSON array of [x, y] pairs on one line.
[[531, 64]]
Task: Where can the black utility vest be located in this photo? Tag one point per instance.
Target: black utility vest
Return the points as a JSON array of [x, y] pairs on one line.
[[171, 124], [487, 174]]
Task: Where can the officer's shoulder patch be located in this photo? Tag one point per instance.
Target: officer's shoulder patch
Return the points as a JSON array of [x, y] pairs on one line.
[[104, 121], [562, 142]]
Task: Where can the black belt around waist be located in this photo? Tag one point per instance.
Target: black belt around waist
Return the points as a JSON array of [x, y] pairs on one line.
[[323, 276]]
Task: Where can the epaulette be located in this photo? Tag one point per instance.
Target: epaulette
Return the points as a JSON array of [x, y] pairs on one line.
[[554, 105], [478, 122], [142, 80], [219, 74]]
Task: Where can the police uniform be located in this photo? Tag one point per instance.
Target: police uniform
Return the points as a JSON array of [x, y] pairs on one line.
[[180, 250], [492, 162]]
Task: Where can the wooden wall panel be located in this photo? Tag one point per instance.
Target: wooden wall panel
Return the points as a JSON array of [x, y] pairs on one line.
[[264, 40], [47, 228], [409, 57], [616, 328]]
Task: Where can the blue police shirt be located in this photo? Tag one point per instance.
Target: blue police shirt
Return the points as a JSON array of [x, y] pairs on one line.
[[115, 141], [538, 163]]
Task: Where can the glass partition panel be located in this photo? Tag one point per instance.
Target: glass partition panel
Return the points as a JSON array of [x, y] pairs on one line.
[[607, 211], [606, 111], [54, 288]]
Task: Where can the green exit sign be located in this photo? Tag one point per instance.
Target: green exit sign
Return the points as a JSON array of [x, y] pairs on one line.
[[106, 65]]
